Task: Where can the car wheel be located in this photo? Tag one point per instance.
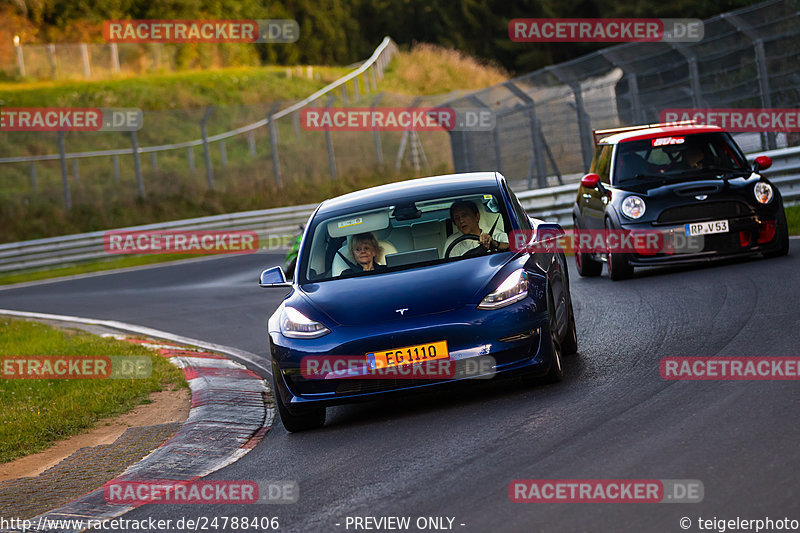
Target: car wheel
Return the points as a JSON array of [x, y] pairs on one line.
[[618, 266], [556, 371], [783, 237], [569, 344], [588, 267], [312, 419]]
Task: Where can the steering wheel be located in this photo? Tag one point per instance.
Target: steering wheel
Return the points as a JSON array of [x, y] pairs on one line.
[[462, 238]]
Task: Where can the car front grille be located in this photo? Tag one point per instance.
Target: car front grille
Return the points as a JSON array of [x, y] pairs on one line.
[[704, 211]]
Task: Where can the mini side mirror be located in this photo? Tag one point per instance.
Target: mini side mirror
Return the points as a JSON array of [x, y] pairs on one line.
[[590, 180], [762, 162]]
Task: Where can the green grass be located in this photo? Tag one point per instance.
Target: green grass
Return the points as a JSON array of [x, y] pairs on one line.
[[36, 412], [793, 219]]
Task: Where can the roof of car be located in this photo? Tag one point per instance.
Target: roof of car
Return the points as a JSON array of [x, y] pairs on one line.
[[650, 133], [390, 193]]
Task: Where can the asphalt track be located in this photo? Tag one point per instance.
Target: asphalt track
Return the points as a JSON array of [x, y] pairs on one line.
[[453, 454]]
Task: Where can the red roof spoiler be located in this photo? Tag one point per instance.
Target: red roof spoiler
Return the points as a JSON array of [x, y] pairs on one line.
[[598, 134]]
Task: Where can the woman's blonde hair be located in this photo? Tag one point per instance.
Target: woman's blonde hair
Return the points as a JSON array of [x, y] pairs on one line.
[[368, 238]]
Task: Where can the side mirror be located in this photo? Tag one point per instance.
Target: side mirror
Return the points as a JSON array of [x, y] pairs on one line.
[[547, 231], [590, 180], [273, 278], [762, 162]]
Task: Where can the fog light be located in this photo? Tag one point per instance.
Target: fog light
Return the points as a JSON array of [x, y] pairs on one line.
[[744, 238], [767, 231]]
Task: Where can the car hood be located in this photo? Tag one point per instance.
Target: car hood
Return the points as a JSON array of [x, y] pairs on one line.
[[421, 291]]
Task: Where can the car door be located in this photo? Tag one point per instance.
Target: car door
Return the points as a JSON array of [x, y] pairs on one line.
[[593, 202]]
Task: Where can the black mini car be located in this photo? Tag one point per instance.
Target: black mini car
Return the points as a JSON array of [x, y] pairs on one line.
[[687, 181]]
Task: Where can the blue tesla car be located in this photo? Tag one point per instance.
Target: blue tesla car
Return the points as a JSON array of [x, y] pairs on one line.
[[396, 280]]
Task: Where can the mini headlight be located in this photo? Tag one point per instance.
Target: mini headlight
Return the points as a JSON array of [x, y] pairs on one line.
[[763, 192], [513, 289], [296, 325], [633, 207]]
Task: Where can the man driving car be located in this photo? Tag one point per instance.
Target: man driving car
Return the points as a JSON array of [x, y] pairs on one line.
[[465, 217]]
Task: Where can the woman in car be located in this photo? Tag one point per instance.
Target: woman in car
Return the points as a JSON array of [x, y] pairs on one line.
[[364, 248]]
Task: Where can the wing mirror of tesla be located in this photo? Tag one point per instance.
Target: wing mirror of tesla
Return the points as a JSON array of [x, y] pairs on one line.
[[273, 278], [548, 231], [762, 162]]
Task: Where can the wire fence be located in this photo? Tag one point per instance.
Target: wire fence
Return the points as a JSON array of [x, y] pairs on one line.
[[749, 58], [98, 61], [231, 148]]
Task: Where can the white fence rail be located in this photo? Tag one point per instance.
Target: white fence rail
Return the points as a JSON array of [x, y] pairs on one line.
[[273, 225]]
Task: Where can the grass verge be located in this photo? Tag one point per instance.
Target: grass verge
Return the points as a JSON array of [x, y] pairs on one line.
[[38, 412], [793, 219]]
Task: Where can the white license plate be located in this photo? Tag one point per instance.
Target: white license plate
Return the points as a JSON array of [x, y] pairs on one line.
[[706, 228]]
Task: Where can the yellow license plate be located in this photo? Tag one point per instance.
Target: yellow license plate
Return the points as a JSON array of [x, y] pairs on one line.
[[418, 353]]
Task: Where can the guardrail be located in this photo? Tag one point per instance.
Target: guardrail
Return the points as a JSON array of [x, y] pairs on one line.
[[274, 225]]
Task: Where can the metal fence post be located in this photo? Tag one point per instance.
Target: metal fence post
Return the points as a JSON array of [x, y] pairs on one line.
[[498, 155], [251, 142], [114, 58], [273, 141], [329, 143], [206, 150], [20, 58], [377, 134], [51, 48], [115, 161], [64, 175], [694, 74], [633, 84], [584, 122], [761, 67], [537, 156], [223, 152], [34, 182], [87, 71], [137, 164]]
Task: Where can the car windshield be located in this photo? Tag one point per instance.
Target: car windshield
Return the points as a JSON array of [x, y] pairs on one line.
[[401, 236], [678, 157]]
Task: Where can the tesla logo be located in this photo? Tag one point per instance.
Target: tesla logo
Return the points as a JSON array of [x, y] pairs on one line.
[[701, 197], [401, 311]]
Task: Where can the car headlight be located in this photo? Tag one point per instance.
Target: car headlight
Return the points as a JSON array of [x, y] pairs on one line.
[[633, 207], [296, 325], [513, 289], [763, 192]]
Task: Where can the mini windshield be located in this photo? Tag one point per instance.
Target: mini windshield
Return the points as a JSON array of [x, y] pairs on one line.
[[404, 235], [678, 157]]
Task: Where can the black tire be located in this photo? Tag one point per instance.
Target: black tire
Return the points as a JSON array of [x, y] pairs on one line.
[[569, 344], [783, 235], [312, 419], [619, 267], [556, 371], [587, 266]]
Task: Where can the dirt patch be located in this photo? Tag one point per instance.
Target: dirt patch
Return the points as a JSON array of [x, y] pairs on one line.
[[166, 406]]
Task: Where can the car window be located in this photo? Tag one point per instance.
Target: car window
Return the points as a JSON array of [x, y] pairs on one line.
[[519, 211], [406, 234], [601, 165], [677, 156]]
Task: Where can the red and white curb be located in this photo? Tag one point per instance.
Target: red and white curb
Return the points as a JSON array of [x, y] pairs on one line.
[[228, 418]]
